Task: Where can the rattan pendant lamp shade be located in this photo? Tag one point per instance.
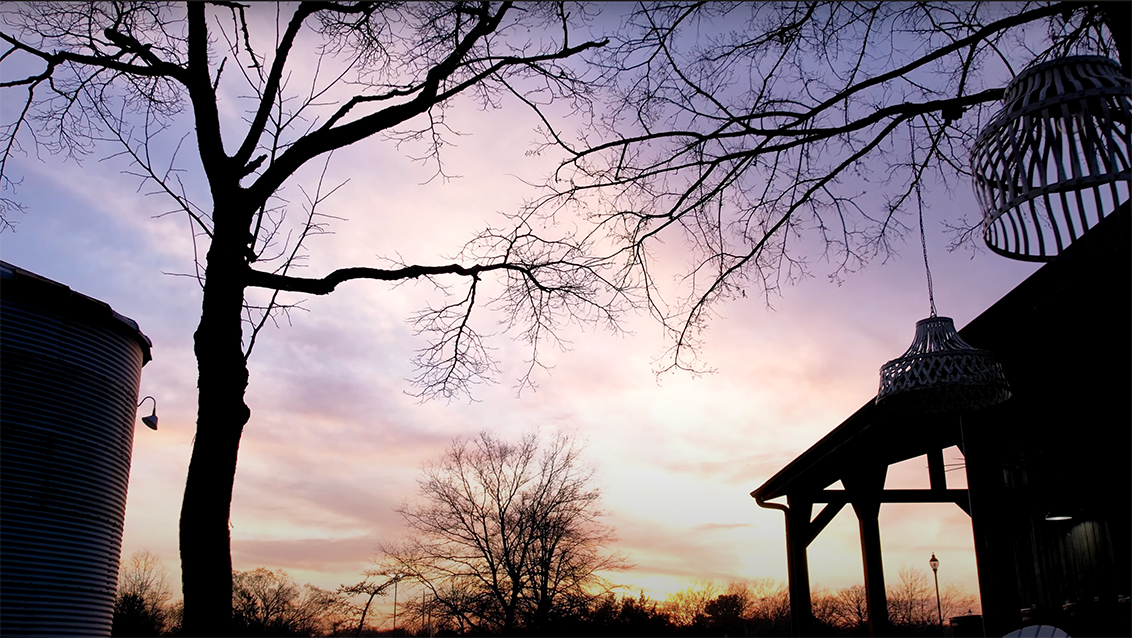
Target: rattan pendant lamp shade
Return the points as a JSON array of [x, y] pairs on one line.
[[941, 373], [1055, 160]]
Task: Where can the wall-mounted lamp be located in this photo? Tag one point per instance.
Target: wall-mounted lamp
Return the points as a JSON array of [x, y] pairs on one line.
[[151, 420], [1058, 516]]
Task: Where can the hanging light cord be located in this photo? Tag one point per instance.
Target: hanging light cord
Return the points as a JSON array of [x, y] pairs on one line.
[[924, 245], [920, 209]]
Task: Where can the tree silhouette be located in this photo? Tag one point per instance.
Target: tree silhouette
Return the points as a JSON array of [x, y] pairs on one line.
[[133, 616], [688, 606], [747, 133], [270, 603], [142, 599], [743, 133], [373, 586], [853, 608], [505, 536], [122, 73], [911, 601]]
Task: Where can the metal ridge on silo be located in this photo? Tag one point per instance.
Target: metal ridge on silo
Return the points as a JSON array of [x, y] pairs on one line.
[[19, 284]]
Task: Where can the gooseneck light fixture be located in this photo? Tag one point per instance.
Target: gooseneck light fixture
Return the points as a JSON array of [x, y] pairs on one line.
[[151, 420], [1056, 159]]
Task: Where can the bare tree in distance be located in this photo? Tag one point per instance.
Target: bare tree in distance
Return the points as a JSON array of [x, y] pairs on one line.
[[124, 76], [270, 603], [956, 601], [505, 535], [142, 600], [375, 584], [757, 606], [747, 134], [688, 604], [911, 600], [852, 607], [761, 607], [826, 607]]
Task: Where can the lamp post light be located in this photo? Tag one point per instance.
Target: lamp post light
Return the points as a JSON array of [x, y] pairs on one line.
[[934, 562]]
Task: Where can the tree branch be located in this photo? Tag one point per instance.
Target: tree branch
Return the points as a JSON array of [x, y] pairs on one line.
[[327, 284], [271, 88], [328, 137], [156, 68], [216, 164]]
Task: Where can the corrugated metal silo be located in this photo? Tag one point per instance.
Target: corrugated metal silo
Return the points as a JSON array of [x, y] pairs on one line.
[[70, 370]]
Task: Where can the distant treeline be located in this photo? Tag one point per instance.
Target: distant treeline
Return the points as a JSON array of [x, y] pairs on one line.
[[270, 603]]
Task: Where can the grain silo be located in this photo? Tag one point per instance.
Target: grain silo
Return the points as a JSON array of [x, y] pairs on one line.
[[70, 370]]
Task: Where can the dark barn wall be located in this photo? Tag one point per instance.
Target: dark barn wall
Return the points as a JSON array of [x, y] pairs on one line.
[[1061, 444]]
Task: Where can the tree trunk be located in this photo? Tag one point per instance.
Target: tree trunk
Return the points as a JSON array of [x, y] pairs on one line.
[[365, 610], [206, 559]]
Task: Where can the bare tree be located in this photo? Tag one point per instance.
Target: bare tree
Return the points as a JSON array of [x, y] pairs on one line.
[[911, 601], [142, 601], [688, 604], [125, 75], [826, 607], [853, 608], [504, 535], [268, 603], [746, 133], [956, 601], [374, 585], [724, 614], [747, 593], [770, 604], [757, 606]]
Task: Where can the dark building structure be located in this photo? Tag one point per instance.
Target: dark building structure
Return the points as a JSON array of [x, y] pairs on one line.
[[1060, 447], [69, 373], [1049, 470]]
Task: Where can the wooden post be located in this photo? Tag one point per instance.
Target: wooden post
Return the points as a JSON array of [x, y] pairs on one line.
[[936, 477], [865, 489], [992, 525], [798, 568]]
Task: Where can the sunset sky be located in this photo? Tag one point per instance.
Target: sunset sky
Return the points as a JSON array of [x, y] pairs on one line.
[[335, 443]]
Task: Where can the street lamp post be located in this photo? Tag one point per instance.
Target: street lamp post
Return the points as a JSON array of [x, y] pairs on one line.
[[934, 562], [397, 580], [394, 578]]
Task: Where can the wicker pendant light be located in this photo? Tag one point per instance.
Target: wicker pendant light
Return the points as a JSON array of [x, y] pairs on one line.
[[940, 372], [1056, 159]]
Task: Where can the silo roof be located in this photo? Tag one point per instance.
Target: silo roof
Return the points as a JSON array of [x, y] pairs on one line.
[[27, 287]]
